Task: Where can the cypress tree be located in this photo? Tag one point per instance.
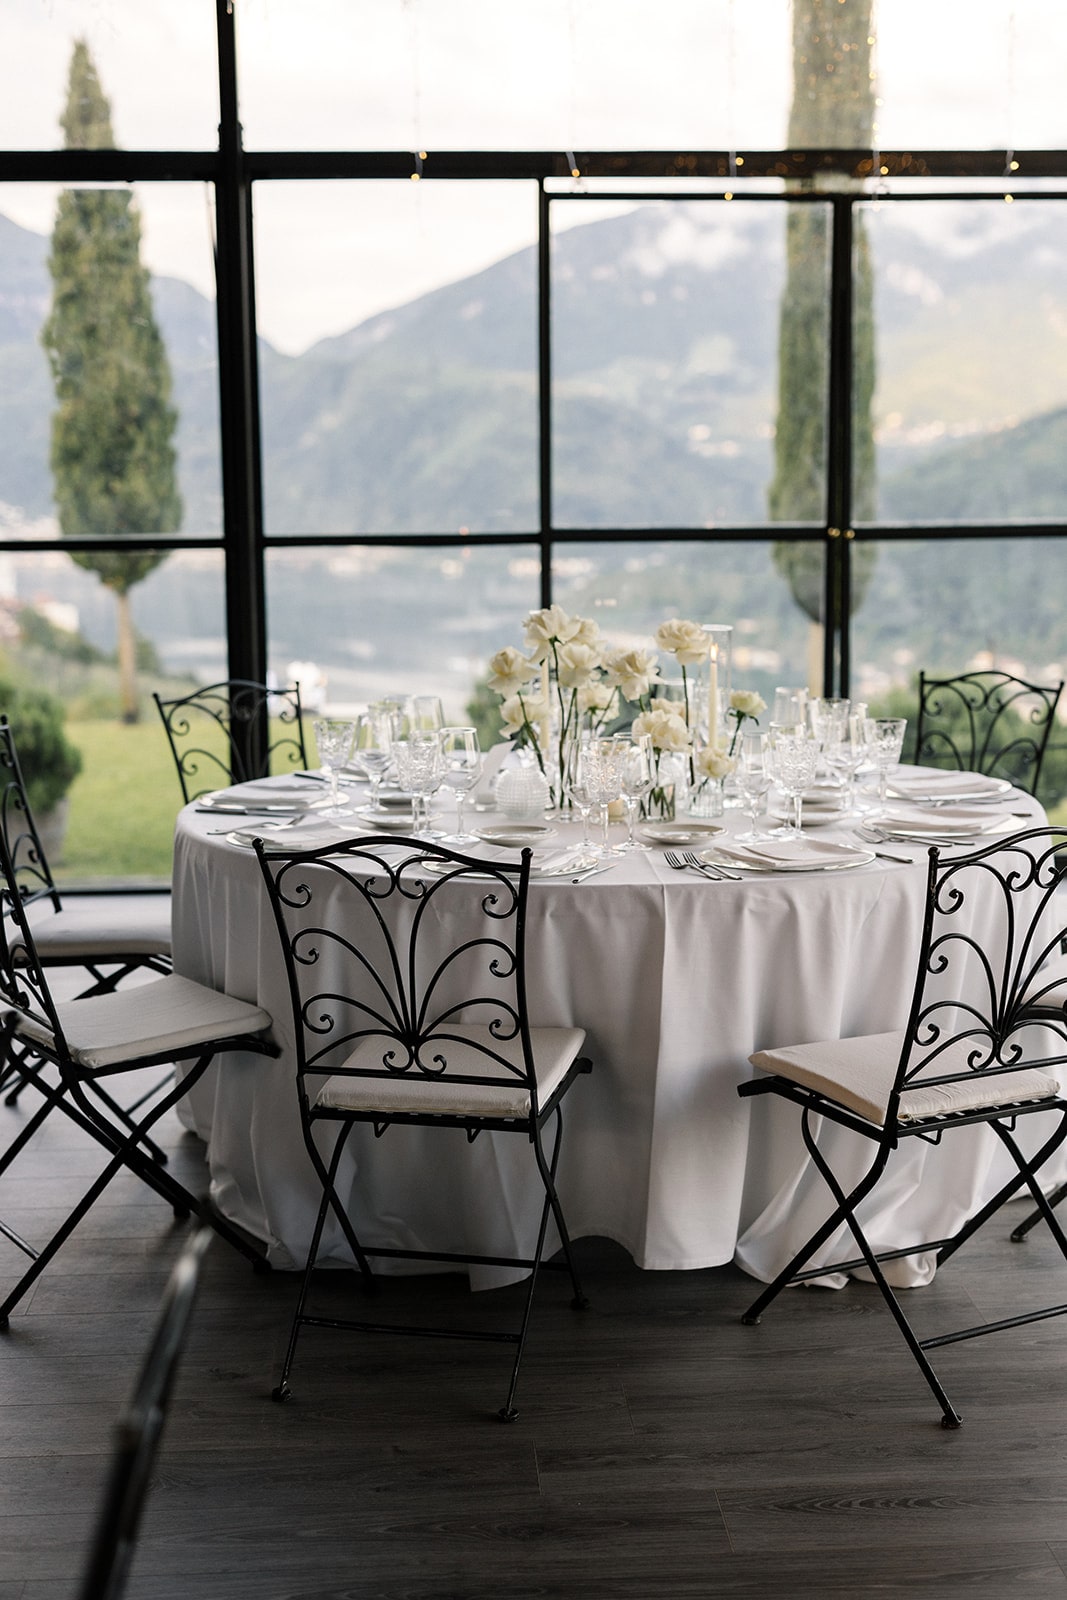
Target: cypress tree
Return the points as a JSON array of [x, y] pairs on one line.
[[112, 451], [833, 106]]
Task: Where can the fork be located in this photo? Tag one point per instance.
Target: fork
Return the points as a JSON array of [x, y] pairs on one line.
[[713, 872]]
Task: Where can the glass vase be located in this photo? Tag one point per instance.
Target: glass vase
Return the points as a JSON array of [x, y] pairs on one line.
[[708, 799]]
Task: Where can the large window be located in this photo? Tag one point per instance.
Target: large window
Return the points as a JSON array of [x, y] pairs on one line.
[[460, 307]]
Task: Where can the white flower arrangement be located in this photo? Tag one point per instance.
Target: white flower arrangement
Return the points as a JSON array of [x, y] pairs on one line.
[[569, 672]]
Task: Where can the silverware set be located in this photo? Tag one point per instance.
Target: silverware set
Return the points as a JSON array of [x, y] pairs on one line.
[[685, 860]]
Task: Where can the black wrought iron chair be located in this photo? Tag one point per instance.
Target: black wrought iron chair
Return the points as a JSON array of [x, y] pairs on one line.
[[110, 936], [231, 732], [91, 1042], [139, 1430], [407, 981], [988, 722], [986, 1043]]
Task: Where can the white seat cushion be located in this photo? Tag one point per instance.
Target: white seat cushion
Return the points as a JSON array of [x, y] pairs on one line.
[[168, 1014], [554, 1050], [99, 927], [859, 1074]]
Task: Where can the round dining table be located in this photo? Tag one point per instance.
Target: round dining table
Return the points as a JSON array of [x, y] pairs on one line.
[[676, 979]]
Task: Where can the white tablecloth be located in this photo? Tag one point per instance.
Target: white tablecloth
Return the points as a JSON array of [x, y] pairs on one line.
[[676, 981]]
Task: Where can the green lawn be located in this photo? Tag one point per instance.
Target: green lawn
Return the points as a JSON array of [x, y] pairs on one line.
[[123, 803]]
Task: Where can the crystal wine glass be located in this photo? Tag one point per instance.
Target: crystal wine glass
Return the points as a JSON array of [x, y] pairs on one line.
[[372, 750], [796, 762], [420, 769], [884, 739], [462, 760], [333, 740], [754, 777]]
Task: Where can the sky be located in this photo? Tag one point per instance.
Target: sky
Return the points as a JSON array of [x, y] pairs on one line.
[[482, 74]]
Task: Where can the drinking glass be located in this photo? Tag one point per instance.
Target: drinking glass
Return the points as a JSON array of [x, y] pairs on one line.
[[829, 720], [637, 775], [372, 750], [754, 778], [884, 739], [790, 708], [580, 793], [333, 740], [462, 760], [603, 763], [426, 714], [796, 761], [420, 769]]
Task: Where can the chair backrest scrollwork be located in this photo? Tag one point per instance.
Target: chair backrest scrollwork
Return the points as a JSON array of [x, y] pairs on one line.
[[233, 731], [988, 722], [32, 875]]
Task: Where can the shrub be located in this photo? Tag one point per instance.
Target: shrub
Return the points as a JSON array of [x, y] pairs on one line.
[[49, 761]]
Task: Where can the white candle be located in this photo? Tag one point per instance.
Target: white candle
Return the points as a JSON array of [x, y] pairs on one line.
[[713, 697]]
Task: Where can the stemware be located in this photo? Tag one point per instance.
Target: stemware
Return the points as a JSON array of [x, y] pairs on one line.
[[796, 762], [602, 760], [884, 739], [462, 759], [333, 739], [637, 778], [420, 769], [580, 794], [790, 708], [754, 777], [372, 750]]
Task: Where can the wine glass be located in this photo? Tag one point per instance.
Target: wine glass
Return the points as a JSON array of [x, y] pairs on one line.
[[790, 708], [372, 750], [754, 777], [884, 739], [462, 760], [425, 713], [638, 776], [796, 761], [333, 740], [580, 793], [420, 769]]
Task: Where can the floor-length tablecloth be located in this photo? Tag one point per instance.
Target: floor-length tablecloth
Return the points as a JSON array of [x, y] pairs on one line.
[[676, 981]]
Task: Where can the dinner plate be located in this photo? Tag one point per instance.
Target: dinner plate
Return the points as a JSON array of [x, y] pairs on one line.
[[514, 835], [261, 800], [570, 864], [685, 832], [823, 856]]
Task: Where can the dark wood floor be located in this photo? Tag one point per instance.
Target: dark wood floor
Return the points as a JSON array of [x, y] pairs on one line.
[[662, 1449]]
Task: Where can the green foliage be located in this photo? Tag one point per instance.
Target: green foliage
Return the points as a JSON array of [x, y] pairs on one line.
[[48, 759], [112, 455], [483, 713], [38, 633]]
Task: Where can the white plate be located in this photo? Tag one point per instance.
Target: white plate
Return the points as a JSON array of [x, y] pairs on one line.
[[387, 821], [961, 787], [514, 835], [259, 803], [679, 832], [828, 858], [572, 867]]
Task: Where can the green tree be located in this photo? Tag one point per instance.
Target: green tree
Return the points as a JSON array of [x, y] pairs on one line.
[[833, 107], [112, 456]]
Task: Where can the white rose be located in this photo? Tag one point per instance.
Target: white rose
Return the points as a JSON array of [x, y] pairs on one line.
[[518, 710], [596, 697], [632, 670], [509, 670], [586, 632], [711, 762], [747, 703], [664, 727], [686, 641], [575, 664], [549, 626]]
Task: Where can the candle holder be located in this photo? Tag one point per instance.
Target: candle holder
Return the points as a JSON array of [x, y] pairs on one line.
[[720, 654]]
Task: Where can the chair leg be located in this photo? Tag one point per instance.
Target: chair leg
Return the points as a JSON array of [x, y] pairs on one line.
[[1025, 1174], [548, 1177], [281, 1390], [1035, 1216]]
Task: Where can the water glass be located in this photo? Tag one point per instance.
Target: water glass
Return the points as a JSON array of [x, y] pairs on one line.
[[602, 760], [333, 740], [420, 769], [796, 762], [884, 739], [638, 776]]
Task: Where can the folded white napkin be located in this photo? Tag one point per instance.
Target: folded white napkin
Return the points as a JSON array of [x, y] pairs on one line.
[[310, 835], [483, 793], [963, 820], [929, 781], [545, 861], [295, 794], [790, 853]]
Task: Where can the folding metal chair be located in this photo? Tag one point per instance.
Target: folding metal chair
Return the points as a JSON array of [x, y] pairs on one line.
[[220, 735], [407, 982], [988, 722], [985, 1044]]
